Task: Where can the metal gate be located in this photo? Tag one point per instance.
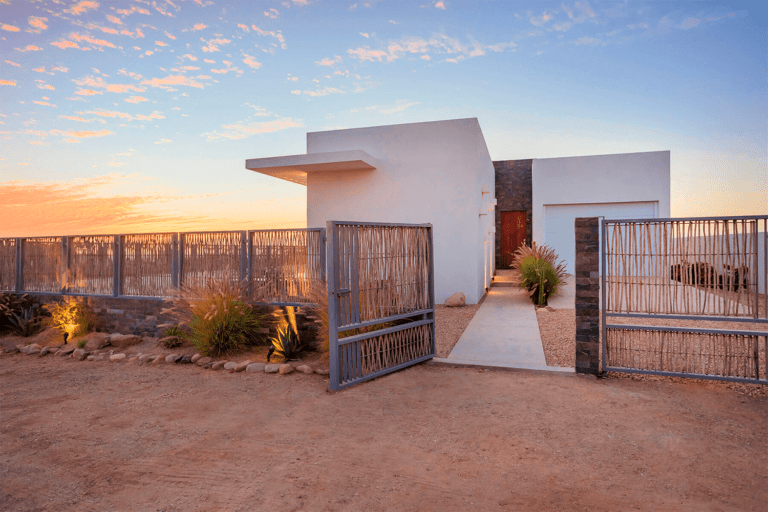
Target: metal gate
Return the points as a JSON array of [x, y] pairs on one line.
[[668, 278], [381, 304]]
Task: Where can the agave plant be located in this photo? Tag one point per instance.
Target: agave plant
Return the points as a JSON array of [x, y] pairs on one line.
[[29, 322], [287, 343]]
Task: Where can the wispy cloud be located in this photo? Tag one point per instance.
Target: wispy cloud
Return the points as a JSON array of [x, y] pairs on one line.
[[124, 115], [169, 82], [136, 99], [9, 28], [243, 130], [439, 44], [329, 62], [37, 24], [100, 83], [163, 141], [7, 82], [251, 61]]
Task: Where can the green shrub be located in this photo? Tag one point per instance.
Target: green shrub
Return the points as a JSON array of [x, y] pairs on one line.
[[72, 317], [539, 278], [21, 313], [81, 343], [173, 337], [222, 324]]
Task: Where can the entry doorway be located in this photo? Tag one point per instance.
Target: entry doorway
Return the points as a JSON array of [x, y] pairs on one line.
[[514, 231]]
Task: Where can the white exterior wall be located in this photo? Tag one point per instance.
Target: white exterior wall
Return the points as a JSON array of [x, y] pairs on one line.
[[628, 185], [431, 172]]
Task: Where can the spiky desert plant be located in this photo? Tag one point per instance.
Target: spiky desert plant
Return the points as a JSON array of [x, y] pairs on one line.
[[216, 313], [539, 252], [28, 322], [536, 269], [287, 343], [318, 296]]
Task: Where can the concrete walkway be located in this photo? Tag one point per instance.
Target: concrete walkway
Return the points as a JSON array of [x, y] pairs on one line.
[[503, 333]]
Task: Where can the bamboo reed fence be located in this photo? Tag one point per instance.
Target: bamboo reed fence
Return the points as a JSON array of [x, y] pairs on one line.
[[147, 264], [91, 265], [386, 269], [211, 256], [689, 267], [700, 352], [286, 264], [42, 264], [8, 264], [396, 348]]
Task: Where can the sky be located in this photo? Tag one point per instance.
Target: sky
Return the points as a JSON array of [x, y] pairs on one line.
[[138, 116]]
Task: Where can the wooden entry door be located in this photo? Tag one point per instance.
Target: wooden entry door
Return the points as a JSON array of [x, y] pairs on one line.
[[514, 231]]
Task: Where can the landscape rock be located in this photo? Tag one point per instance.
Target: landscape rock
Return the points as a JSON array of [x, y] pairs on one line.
[[26, 349], [241, 366], [102, 357], [171, 358], [168, 340], [456, 300], [230, 365], [272, 368], [255, 367], [95, 344], [218, 365], [117, 357], [305, 369], [123, 340], [159, 360], [201, 361], [91, 358], [285, 369], [185, 360], [66, 350], [144, 357], [196, 357], [322, 371], [12, 350], [132, 359], [46, 350], [79, 354], [33, 351]]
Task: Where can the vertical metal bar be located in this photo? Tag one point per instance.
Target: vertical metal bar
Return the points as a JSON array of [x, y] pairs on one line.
[[355, 276], [175, 261], [333, 305], [116, 260], [243, 255], [323, 249], [249, 262], [431, 279], [18, 285], [64, 282], [180, 263], [755, 242], [603, 272]]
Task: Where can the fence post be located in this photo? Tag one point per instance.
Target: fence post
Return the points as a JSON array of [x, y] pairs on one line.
[[587, 277], [180, 264], [175, 261], [117, 259], [19, 274], [64, 264], [333, 314], [243, 255], [323, 248], [249, 262]]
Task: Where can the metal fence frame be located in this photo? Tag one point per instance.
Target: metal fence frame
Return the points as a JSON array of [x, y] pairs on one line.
[[755, 319], [177, 263], [343, 376]]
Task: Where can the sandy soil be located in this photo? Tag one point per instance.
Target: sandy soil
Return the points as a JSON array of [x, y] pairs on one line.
[[122, 436]]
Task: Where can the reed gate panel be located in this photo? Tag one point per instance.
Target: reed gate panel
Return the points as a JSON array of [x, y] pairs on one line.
[[381, 306], [674, 274]]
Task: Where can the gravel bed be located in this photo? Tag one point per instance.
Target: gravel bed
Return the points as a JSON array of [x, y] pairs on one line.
[[450, 324], [558, 335]]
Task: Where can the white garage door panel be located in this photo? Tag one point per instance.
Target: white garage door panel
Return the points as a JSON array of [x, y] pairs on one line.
[[559, 219]]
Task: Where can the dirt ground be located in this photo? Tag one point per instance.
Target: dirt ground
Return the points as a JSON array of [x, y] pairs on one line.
[[123, 436]]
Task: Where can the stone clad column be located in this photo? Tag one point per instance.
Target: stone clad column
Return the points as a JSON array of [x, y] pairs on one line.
[[587, 275]]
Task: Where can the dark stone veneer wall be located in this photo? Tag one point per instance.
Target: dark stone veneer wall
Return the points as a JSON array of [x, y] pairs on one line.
[[587, 231], [514, 192]]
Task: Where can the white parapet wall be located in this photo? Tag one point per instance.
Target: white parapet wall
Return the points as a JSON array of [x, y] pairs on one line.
[[620, 186], [435, 172]]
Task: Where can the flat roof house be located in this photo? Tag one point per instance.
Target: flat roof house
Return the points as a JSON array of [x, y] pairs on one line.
[[441, 173]]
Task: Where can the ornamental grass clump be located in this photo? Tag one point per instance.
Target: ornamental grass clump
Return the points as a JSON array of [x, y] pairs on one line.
[[536, 269], [219, 319]]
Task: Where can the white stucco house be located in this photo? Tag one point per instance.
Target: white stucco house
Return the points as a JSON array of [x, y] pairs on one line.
[[441, 173]]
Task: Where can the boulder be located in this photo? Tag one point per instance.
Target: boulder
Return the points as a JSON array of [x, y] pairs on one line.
[[255, 367], [285, 369], [241, 366], [196, 357], [123, 340], [144, 357], [33, 351], [117, 357], [201, 361], [305, 369], [230, 365], [322, 371], [27, 349], [456, 300], [218, 365], [95, 344], [171, 358], [91, 358], [272, 368], [66, 350], [12, 350], [159, 359], [46, 350], [185, 360], [79, 354]]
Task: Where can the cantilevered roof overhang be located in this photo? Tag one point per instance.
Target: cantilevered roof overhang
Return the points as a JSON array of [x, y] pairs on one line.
[[294, 168]]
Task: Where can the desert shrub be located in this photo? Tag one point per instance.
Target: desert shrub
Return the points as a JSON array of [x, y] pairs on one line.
[[18, 313], [73, 317], [82, 343], [173, 337], [286, 343], [536, 269], [318, 295], [219, 319]]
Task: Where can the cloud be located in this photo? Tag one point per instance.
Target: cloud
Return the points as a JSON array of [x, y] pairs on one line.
[[37, 24], [329, 62], [690, 23], [82, 134], [81, 7], [212, 45], [241, 131], [13, 63], [87, 92], [9, 28], [251, 61], [584, 13], [540, 21], [586, 40], [89, 39], [172, 80], [29, 48], [271, 13], [114, 19], [76, 118], [7, 82], [440, 44], [325, 91], [45, 103], [199, 26], [440, 5], [276, 34], [100, 83], [125, 115], [128, 12], [136, 99], [169, 35], [163, 141], [400, 106], [226, 70]]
